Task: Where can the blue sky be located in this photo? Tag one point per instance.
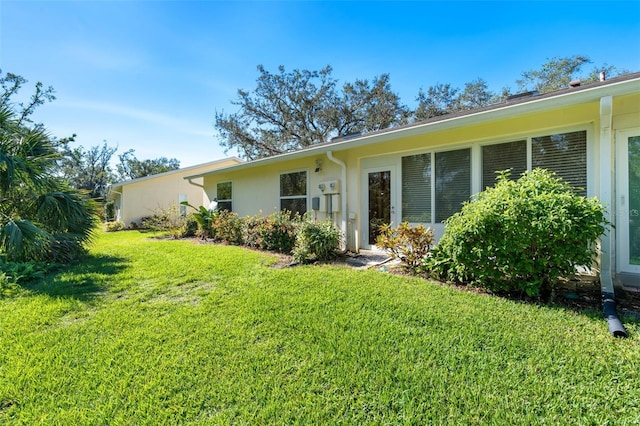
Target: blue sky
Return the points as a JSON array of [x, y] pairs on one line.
[[150, 75]]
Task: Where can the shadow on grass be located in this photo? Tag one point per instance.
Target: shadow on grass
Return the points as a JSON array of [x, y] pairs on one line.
[[82, 280]]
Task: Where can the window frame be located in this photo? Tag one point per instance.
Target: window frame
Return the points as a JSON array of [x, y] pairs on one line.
[[477, 158], [224, 200], [294, 197]]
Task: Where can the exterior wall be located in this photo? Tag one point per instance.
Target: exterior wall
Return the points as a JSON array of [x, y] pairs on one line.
[[140, 198], [256, 188]]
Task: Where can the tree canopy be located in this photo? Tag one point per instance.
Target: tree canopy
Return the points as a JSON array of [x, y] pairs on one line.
[[132, 168], [41, 217], [292, 110], [88, 169]]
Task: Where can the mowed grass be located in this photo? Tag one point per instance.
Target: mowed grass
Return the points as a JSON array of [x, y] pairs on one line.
[[150, 332]]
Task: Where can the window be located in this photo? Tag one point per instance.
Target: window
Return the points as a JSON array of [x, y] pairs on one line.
[[293, 192], [503, 156], [453, 181], [224, 195], [565, 154], [416, 188]]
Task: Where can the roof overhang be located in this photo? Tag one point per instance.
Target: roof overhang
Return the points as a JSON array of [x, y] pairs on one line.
[[546, 102]]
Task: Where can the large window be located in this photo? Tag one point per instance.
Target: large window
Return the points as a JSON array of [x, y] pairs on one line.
[[565, 154], [224, 195], [293, 192], [510, 156], [416, 188], [449, 172], [453, 181]]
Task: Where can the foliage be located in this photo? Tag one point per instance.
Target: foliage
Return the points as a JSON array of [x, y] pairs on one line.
[[165, 220], [293, 110], [276, 232], [409, 244], [520, 235], [318, 241], [109, 211], [114, 226], [11, 85], [227, 226], [39, 214], [204, 218], [190, 227], [88, 169], [21, 272], [41, 218], [444, 99], [169, 332], [557, 73], [132, 168]]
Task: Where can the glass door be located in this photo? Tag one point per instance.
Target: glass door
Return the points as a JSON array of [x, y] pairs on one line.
[[628, 187], [380, 204]]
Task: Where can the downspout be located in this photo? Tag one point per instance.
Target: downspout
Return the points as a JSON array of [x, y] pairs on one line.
[[193, 183], [343, 207], [607, 260]]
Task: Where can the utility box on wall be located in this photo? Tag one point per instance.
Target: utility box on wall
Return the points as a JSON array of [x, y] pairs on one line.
[[329, 187], [335, 202]]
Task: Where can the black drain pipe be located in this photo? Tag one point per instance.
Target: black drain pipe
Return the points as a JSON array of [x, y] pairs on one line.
[[611, 315]]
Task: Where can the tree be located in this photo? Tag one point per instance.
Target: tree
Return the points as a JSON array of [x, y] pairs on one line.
[[443, 99], [11, 84], [132, 168], [293, 110], [554, 74], [88, 169], [475, 94], [438, 100], [41, 217]]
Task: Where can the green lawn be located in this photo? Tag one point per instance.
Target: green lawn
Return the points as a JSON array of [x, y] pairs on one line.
[[170, 332]]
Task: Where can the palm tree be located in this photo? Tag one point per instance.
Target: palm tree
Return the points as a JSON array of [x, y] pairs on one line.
[[41, 217]]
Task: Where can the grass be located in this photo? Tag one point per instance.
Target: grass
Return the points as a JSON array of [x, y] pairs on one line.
[[151, 332]]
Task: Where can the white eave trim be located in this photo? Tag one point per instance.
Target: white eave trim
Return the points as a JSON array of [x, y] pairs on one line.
[[543, 103]]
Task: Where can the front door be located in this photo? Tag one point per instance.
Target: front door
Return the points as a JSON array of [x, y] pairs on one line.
[[380, 204], [628, 194]]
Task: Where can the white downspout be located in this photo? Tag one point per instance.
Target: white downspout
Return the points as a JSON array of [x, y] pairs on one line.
[[204, 192], [343, 207], [607, 260]]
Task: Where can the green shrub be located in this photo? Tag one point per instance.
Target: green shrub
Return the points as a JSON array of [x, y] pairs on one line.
[[165, 220], [109, 211], [407, 243], [520, 235], [190, 227], [226, 226], [276, 232], [114, 226], [20, 272], [314, 240]]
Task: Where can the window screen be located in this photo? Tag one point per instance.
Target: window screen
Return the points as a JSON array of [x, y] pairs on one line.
[[225, 195], [453, 182], [293, 192], [503, 156], [565, 154], [416, 188]]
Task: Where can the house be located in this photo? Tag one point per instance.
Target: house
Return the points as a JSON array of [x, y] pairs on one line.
[[138, 198], [421, 173]]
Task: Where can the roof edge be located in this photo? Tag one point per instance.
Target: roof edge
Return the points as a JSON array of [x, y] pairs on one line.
[[615, 86]]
